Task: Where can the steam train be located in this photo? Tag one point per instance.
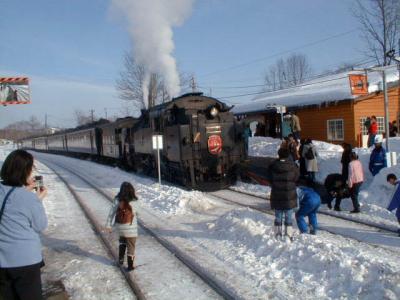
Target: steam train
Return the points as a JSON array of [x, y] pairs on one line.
[[203, 143]]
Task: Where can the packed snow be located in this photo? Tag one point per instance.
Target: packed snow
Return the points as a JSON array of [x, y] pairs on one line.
[[236, 244]]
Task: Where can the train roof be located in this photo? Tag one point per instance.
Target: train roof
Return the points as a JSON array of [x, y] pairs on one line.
[[186, 98], [120, 122]]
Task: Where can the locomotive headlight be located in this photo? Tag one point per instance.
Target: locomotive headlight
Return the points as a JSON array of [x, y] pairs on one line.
[[214, 112]]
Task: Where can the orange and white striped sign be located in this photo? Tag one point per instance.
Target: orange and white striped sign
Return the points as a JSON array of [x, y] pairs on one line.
[[14, 79], [14, 90]]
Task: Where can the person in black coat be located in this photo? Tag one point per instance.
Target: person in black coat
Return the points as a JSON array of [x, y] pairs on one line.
[[337, 189], [346, 158], [283, 175]]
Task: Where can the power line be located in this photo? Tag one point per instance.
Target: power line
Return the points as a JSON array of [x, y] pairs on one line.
[[289, 88], [289, 81], [280, 53], [293, 87]]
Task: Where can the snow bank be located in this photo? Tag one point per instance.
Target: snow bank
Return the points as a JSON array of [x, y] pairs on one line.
[[312, 265]]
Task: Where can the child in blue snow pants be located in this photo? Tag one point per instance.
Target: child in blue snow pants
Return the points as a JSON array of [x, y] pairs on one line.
[[309, 202]]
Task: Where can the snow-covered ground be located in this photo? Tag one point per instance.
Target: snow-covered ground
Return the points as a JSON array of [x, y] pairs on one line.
[[375, 192], [237, 246]]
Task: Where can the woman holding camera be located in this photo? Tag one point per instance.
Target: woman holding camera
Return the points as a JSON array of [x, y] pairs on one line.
[[22, 218]]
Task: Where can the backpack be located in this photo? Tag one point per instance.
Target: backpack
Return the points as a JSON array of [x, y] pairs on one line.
[[124, 213], [309, 154]]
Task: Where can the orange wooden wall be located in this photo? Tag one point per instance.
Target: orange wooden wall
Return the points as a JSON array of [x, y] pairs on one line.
[[373, 104], [313, 120]]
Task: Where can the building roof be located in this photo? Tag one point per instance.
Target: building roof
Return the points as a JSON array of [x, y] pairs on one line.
[[329, 88]]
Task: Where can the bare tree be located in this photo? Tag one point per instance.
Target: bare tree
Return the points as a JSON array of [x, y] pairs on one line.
[[81, 118], [379, 20], [21, 129], [287, 72], [130, 85]]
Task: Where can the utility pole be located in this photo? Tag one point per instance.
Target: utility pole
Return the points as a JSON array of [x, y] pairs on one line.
[[45, 122], [398, 92], [105, 111], [92, 114], [193, 84], [386, 103]]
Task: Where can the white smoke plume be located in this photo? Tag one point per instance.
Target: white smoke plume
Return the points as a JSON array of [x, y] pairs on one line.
[[150, 25]]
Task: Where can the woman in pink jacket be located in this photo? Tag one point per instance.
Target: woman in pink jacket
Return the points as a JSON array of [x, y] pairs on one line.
[[355, 180]]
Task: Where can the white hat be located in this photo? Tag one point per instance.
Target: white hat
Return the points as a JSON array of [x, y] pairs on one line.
[[378, 139]]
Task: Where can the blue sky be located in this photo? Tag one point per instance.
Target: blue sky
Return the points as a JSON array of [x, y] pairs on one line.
[[72, 49]]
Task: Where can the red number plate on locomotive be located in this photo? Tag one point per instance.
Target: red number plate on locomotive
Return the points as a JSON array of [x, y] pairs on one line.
[[214, 144]]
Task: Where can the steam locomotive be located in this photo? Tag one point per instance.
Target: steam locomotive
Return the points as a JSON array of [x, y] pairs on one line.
[[203, 143]]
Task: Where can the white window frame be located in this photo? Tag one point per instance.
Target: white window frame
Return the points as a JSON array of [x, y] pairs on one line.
[[334, 136], [379, 120]]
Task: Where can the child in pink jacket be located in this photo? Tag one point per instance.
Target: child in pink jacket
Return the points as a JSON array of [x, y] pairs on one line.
[[355, 180]]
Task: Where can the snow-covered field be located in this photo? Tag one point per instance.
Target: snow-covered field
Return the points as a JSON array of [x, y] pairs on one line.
[[237, 246]]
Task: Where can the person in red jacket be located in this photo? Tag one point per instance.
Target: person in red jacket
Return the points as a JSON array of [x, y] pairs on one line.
[[372, 131]]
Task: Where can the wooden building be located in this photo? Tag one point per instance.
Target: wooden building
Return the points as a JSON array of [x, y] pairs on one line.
[[327, 109]]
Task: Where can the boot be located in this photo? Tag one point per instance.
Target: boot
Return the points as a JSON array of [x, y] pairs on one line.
[[289, 232], [313, 230], [277, 231], [130, 262], [122, 249], [337, 208]]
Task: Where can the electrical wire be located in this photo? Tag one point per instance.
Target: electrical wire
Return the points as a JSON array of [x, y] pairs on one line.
[[289, 81], [289, 88], [280, 53]]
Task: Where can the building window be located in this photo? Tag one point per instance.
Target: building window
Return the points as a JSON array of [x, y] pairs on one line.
[[335, 130], [379, 120]]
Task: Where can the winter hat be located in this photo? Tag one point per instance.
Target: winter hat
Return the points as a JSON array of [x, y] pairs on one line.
[[378, 139]]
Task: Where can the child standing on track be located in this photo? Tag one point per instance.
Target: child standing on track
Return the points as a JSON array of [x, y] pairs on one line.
[[123, 216], [395, 201]]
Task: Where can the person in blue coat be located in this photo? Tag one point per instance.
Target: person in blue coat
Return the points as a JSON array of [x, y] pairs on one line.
[[377, 160], [309, 202], [22, 219], [395, 201]]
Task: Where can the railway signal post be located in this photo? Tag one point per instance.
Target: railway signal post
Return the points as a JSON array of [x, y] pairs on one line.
[[158, 145]]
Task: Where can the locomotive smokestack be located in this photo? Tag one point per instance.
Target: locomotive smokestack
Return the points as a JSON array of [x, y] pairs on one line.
[[150, 26]]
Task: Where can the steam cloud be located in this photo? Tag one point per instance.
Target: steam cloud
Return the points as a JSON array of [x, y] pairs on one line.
[[150, 25]]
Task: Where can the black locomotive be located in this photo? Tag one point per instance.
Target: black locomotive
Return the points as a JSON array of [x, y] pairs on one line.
[[203, 143]]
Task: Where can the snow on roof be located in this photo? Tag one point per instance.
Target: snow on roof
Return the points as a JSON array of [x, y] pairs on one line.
[[329, 88]]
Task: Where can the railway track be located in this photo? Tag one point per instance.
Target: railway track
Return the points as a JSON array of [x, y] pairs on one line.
[[193, 266], [98, 230], [349, 229]]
